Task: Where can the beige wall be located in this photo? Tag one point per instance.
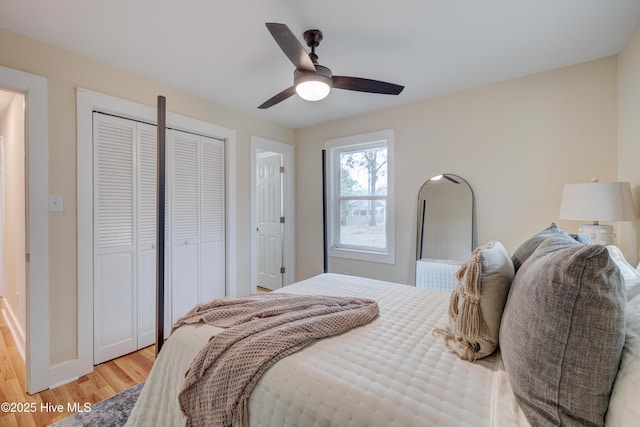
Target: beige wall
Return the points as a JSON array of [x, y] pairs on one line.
[[64, 72], [629, 139], [516, 143], [13, 218]]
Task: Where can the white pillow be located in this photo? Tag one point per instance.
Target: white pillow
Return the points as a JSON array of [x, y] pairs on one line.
[[630, 275], [624, 409]]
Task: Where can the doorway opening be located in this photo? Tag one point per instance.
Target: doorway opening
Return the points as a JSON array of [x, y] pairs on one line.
[[272, 216], [13, 214], [271, 219]]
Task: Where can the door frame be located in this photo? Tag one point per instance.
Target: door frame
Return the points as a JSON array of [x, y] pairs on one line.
[[37, 223], [87, 102], [287, 150]]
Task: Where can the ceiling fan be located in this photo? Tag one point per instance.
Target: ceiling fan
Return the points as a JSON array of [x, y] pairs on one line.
[[312, 81]]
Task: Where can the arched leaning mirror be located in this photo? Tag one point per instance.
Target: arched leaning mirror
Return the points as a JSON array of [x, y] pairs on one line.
[[446, 233]]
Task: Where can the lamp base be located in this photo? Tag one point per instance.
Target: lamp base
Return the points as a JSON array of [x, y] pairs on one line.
[[599, 234]]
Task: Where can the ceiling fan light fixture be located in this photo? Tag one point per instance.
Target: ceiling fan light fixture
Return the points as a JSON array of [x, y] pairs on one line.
[[312, 90], [313, 86]]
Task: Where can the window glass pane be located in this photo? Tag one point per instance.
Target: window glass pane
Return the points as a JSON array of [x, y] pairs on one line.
[[363, 223], [363, 172]]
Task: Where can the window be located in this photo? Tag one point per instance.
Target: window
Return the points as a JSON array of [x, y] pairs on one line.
[[360, 200]]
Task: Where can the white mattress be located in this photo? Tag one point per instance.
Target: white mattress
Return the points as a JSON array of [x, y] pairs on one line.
[[391, 372]]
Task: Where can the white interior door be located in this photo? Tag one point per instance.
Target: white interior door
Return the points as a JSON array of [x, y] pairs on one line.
[[115, 298], [269, 203]]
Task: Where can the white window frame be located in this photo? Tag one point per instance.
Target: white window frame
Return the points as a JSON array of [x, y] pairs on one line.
[[334, 147]]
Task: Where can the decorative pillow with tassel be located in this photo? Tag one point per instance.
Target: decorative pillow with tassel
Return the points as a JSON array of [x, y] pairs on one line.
[[476, 305]]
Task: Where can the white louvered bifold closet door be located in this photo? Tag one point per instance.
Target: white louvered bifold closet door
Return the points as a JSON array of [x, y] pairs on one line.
[[125, 180], [185, 224], [147, 195], [212, 208], [115, 298], [197, 221]]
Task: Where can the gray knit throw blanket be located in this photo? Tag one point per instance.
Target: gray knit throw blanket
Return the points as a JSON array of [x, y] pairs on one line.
[[261, 329]]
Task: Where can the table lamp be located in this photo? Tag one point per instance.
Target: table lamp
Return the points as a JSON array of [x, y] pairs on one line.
[[597, 201]]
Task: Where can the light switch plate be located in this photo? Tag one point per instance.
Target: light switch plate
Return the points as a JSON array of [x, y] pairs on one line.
[[55, 203]]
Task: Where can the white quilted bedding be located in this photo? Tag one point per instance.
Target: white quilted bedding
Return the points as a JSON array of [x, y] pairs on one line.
[[391, 372]]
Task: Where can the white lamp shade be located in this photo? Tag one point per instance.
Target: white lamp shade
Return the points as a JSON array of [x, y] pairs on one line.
[[597, 201]]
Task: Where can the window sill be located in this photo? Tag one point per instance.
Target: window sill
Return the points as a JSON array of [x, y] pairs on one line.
[[378, 257]]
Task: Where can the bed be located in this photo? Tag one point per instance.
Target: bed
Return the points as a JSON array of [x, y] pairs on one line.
[[393, 371]]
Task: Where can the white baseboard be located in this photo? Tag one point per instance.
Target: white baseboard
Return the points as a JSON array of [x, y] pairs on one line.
[[14, 327]]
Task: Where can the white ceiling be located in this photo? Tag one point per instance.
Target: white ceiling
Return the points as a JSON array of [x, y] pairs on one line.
[[222, 51]]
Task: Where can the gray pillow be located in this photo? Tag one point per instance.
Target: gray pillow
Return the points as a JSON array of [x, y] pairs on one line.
[[562, 333], [526, 249]]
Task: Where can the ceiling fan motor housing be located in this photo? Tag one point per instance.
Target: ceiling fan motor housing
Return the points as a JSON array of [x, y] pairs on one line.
[[322, 73]]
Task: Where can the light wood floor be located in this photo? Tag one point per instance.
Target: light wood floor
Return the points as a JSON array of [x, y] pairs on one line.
[[105, 381]]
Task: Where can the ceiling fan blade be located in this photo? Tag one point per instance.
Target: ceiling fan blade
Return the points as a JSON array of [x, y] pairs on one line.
[[278, 98], [366, 85], [291, 46]]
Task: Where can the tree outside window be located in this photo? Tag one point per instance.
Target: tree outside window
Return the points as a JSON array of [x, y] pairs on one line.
[[363, 191]]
